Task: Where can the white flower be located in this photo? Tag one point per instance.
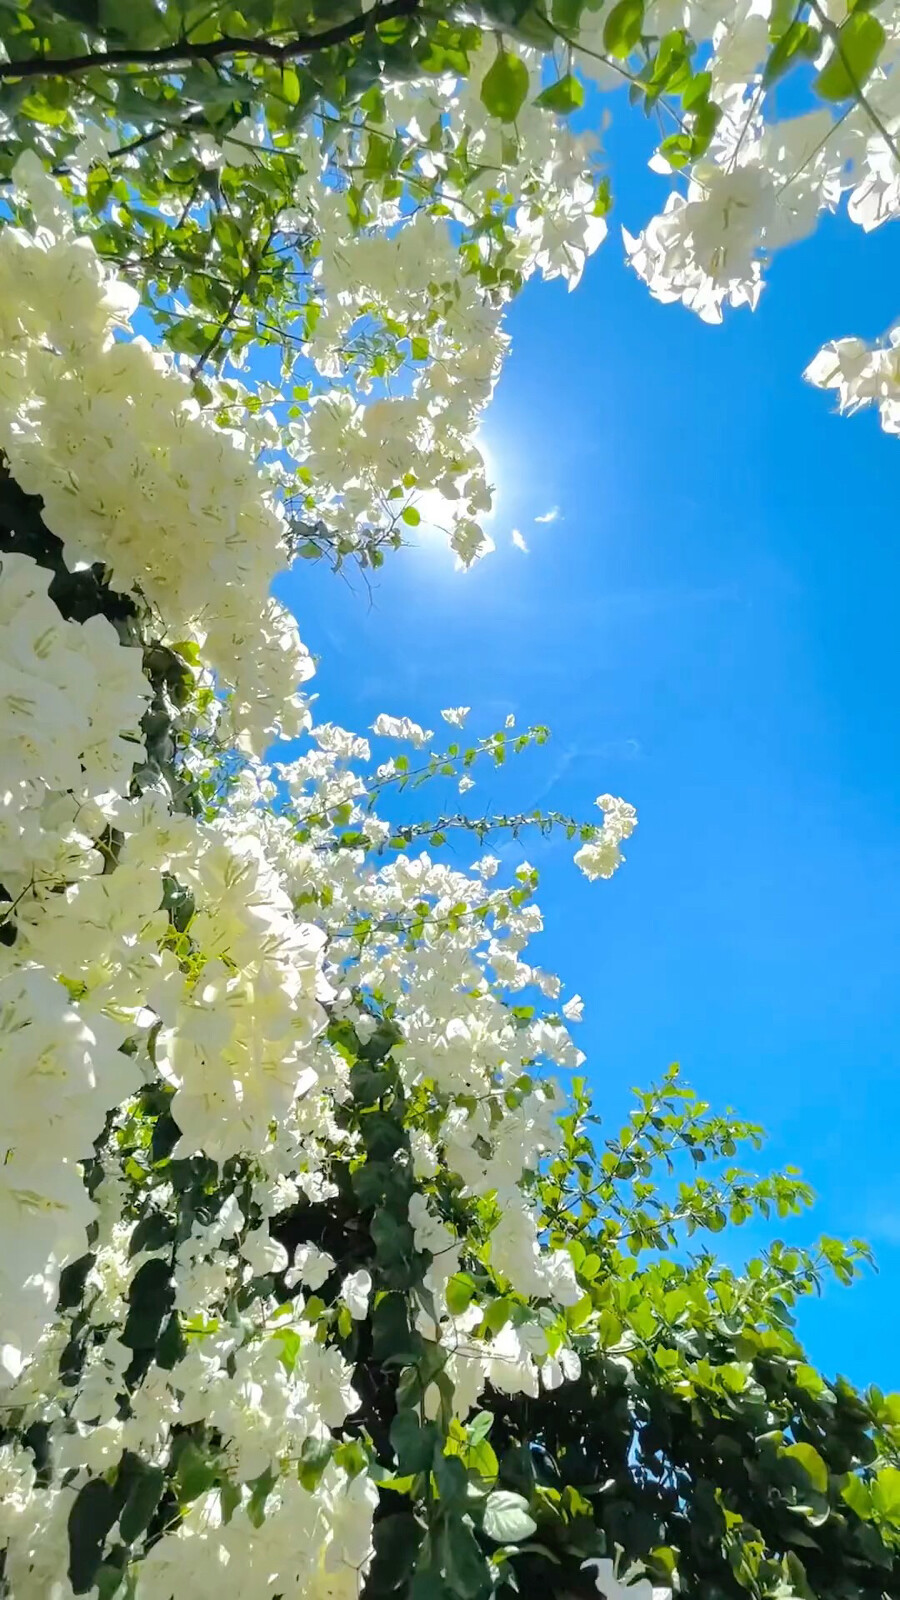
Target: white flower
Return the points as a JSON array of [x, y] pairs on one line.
[[564, 1367], [311, 1266], [71, 695], [456, 715], [234, 145], [329, 1383], [401, 728], [263, 1254], [600, 857], [355, 1291], [631, 1586]]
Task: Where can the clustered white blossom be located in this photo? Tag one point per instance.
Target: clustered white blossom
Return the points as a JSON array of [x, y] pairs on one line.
[[174, 510], [373, 461], [600, 856], [765, 179], [396, 342], [862, 374], [198, 959]]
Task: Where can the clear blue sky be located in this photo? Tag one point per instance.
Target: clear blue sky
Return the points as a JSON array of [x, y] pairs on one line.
[[710, 630]]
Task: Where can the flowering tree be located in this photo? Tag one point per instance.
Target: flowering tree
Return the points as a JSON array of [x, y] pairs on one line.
[[363, 187], [313, 1278]]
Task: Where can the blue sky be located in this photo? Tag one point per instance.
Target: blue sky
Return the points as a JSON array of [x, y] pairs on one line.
[[709, 629]]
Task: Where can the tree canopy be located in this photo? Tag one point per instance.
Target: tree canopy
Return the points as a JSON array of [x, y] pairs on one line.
[[362, 189]]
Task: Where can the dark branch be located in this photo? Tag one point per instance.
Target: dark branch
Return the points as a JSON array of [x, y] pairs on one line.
[[185, 54]]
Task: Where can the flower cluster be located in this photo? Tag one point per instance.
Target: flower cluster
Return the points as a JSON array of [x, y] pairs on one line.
[[370, 226], [763, 181], [228, 1002], [174, 510], [862, 374], [601, 855]]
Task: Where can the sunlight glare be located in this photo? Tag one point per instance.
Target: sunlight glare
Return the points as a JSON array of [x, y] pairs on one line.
[[433, 532]]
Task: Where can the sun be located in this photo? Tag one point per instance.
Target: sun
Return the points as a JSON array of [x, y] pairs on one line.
[[436, 512]]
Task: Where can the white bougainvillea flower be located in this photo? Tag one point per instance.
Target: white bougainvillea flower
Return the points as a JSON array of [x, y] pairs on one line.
[[356, 1290], [310, 1267], [632, 1585], [401, 728], [600, 857]]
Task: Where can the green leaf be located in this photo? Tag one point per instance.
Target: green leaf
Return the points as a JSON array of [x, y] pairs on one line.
[[170, 1346], [149, 1301], [398, 1540], [314, 1458], [413, 1444], [262, 1488], [856, 50], [885, 1493], [378, 156], [153, 1232], [505, 86], [451, 1479], [109, 1579], [857, 1495], [696, 95], [394, 1246], [799, 40], [482, 1458], [566, 14], [290, 85], [394, 1342], [460, 1289], [563, 97], [498, 1314], [195, 1473], [368, 1084], [507, 1517], [188, 650], [467, 1571], [622, 28], [143, 1498], [480, 1426], [84, 12], [428, 1586], [812, 1464], [229, 1499], [705, 124], [411, 516], [677, 149], [72, 1280], [90, 1519], [670, 70]]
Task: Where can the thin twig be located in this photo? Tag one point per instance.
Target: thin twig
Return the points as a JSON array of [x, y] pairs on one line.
[[834, 34], [220, 332]]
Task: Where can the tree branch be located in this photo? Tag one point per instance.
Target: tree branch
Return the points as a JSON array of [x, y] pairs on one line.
[[185, 54], [834, 34], [213, 345]]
